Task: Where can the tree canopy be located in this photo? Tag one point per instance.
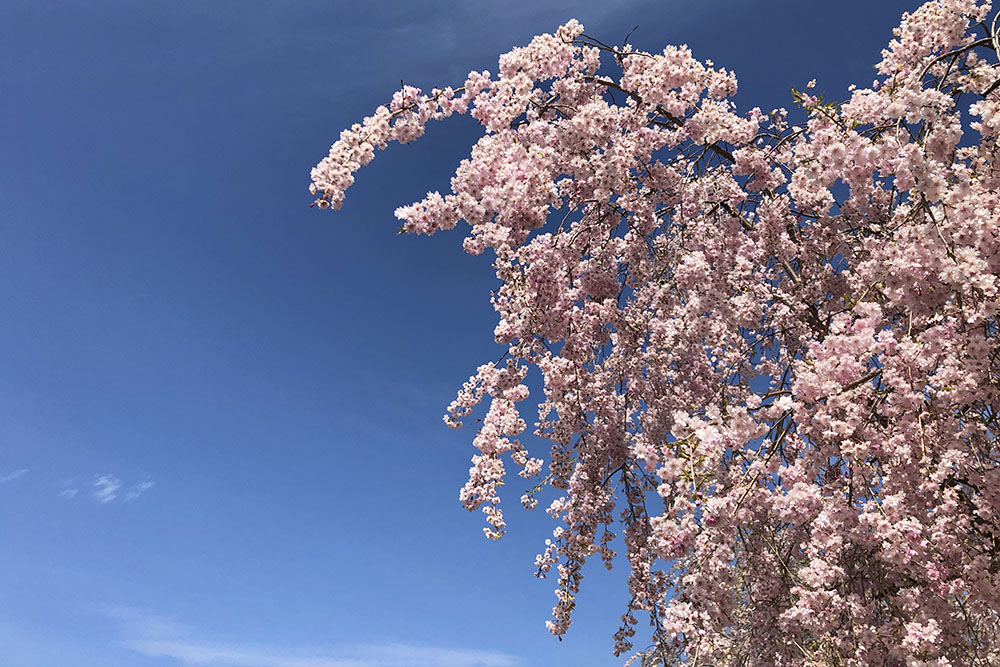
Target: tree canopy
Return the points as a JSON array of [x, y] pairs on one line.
[[768, 340]]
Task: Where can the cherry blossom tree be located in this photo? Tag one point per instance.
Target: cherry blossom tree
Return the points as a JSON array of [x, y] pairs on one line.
[[769, 348]]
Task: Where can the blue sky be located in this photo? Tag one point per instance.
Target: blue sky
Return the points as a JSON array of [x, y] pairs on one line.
[[220, 410]]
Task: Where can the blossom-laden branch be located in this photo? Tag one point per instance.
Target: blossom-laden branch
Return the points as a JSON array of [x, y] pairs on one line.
[[769, 349]]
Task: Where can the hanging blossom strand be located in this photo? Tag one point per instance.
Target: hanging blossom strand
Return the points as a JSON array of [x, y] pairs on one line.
[[769, 348]]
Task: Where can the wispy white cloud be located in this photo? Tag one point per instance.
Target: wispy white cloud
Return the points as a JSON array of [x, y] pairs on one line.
[[138, 489], [105, 488], [368, 655], [11, 476], [157, 636], [68, 494]]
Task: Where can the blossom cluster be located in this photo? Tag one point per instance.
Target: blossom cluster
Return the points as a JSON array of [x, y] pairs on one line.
[[770, 349]]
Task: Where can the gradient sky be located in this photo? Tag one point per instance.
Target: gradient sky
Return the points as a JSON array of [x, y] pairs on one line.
[[220, 410]]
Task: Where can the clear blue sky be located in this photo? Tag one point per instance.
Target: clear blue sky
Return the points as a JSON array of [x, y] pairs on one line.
[[220, 410]]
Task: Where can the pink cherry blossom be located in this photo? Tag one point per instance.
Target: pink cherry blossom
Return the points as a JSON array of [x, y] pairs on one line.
[[769, 347]]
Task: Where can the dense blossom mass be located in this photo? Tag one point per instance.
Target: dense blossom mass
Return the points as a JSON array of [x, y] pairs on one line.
[[769, 348]]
